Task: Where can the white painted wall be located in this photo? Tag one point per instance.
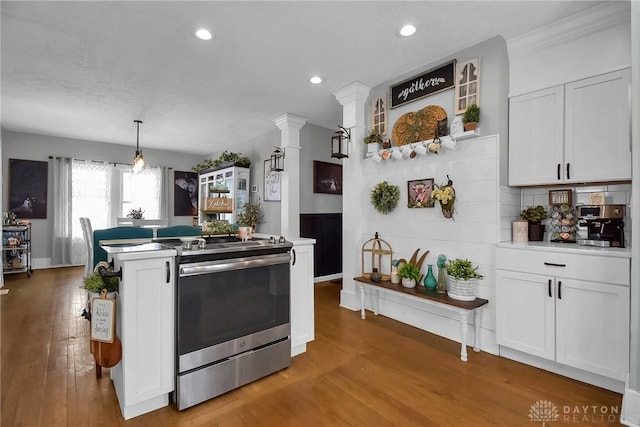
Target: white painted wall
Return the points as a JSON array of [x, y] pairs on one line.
[[314, 142], [17, 145], [476, 168]]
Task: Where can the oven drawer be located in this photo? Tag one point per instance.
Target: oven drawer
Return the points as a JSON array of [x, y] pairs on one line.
[[202, 384]]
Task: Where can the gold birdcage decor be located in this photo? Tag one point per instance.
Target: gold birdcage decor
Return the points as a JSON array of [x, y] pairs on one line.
[[376, 254]]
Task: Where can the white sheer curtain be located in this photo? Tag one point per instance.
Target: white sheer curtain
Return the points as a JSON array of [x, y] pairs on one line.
[[61, 246], [91, 195], [165, 189]]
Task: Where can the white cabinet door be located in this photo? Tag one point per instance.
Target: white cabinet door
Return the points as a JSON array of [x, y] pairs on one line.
[[598, 128], [146, 305], [302, 310], [536, 132], [592, 327], [525, 312]]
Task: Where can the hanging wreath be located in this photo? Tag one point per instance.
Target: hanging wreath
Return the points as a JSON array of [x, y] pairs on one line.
[[385, 197]]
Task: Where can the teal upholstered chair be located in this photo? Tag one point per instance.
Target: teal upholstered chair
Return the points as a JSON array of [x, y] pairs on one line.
[[179, 231], [116, 233]]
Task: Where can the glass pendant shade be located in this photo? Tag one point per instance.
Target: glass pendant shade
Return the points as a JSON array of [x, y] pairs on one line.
[[138, 162]]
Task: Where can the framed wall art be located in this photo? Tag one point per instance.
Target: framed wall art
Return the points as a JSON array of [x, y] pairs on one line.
[[185, 193], [28, 188], [419, 192], [467, 84], [272, 184], [327, 177]]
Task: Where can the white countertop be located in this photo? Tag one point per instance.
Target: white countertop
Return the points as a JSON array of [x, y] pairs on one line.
[[133, 251], [568, 248]]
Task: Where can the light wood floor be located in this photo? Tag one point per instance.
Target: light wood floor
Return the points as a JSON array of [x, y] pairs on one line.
[[374, 372]]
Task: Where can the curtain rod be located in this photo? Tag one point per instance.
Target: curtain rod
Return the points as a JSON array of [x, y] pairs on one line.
[[100, 161]]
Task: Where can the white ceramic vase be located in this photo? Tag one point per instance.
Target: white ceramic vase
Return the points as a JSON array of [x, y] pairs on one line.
[[408, 283]]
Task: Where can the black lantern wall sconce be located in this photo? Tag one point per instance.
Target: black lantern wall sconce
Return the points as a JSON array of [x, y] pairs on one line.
[[340, 143], [277, 160]]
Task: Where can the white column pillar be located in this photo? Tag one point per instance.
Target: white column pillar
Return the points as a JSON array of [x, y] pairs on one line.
[[290, 126], [631, 398], [352, 98]]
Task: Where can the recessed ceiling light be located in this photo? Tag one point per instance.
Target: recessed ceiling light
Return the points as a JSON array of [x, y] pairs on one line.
[[316, 80], [407, 30], [203, 34]]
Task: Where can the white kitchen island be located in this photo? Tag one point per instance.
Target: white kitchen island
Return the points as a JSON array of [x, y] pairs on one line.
[[145, 323], [145, 320]]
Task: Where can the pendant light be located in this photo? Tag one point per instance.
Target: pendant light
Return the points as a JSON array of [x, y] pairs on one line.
[[138, 160], [277, 159], [340, 143]]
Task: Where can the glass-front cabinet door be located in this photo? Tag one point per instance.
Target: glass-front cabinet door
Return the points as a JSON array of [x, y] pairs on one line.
[[223, 193]]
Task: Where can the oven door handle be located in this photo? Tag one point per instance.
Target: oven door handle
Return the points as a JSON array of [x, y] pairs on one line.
[[207, 267]]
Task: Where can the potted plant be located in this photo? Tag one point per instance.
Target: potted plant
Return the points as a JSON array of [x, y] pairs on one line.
[[136, 214], [94, 284], [462, 278], [471, 117], [410, 274], [373, 141], [233, 159], [385, 197], [250, 216], [534, 216]]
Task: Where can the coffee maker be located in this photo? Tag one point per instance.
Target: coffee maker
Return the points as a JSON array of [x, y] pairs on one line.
[[601, 224]]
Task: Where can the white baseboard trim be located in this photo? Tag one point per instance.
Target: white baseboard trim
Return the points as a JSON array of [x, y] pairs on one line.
[[42, 263], [327, 278], [566, 371], [349, 300], [630, 415]]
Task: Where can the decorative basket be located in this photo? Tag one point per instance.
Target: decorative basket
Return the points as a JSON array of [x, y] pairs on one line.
[[463, 290]]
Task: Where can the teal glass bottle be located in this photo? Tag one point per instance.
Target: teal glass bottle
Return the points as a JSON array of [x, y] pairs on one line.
[[430, 281]]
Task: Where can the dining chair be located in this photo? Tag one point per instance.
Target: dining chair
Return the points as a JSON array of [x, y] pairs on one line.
[[116, 233], [87, 232], [179, 231]]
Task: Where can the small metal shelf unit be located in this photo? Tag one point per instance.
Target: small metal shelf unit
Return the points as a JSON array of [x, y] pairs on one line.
[[16, 249]]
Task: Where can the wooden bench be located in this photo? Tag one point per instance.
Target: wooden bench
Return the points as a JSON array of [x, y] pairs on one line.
[[420, 293]]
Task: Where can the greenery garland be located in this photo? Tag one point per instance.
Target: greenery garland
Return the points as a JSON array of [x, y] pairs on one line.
[[385, 197]]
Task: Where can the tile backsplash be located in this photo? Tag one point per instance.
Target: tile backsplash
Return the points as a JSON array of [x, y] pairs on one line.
[[617, 194]]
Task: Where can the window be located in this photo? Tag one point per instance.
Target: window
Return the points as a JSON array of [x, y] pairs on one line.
[[102, 192], [140, 191]]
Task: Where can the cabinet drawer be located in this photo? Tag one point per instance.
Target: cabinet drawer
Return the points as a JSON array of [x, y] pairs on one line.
[[575, 266]]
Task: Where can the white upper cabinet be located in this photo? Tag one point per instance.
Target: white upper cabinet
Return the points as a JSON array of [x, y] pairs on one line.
[[535, 136], [598, 128], [573, 133]]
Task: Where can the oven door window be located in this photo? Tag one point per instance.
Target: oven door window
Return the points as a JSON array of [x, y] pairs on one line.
[[221, 306]]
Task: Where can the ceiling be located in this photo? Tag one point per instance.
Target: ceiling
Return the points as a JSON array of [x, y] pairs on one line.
[[86, 70]]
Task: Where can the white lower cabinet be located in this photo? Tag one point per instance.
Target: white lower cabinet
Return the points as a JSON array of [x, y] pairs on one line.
[[302, 309], [145, 324], [561, 315]]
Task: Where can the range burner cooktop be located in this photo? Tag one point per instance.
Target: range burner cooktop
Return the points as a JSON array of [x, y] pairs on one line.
[[195, 246]]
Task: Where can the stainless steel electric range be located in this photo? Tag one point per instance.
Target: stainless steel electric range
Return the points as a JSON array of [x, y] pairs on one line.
[[232, 314]]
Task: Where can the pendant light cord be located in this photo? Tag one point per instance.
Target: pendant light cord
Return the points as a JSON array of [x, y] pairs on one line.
[[137, 122]]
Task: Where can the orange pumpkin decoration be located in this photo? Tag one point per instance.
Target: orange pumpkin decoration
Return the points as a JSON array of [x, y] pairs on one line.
[[418, 126]]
